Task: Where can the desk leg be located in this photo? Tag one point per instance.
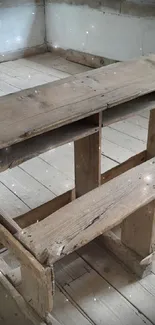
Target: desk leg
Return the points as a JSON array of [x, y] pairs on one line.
[[87, 155], [138, 230]]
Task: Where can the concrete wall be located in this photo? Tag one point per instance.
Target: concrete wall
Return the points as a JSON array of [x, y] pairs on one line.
[[114, 29], [22, 27]]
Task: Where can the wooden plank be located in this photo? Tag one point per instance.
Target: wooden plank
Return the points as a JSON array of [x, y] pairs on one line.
[[91, 215], [9, 223], [140, 293], [145, 113], [81, 96], [30, 148], [139, 105], [12, 206], [52, 178], [87, 155], [67, 311], [86, 59], [44, 210], [128, 257], [115, 152], [29, 190], [36, 280], [123, 140], [95, 295], [139, 120], [151, 136], [137, 232], [125, 166], [132, 130]]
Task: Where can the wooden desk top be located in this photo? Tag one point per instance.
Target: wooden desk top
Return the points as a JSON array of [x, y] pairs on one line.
[[35, 111]]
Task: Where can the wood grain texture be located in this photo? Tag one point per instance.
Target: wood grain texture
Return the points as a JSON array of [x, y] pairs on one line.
[[87, 155], [94, 293], [30, 148], [138, 231], [140, 293], [81, 96], [44, 210], [9, 223], [91, 215], [151, 136], [128, 257], [36, 280], [19, 311], [123, 167]]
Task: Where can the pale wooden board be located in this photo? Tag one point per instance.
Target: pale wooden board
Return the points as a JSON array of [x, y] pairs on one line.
[[10, 204], [60, 63], [137, 292], [139, 120], [42, 67], [8, 86], [62, 159], [133, 130], [95, 295], [2, 93], [145, 113], [66, 312], [23, 68], [115, 152], [74, 224], [81, 95], [53, 179], [28, 81], [123, 140], [107, 164], [26, 187]]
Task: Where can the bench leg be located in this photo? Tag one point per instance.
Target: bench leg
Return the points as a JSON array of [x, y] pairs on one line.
[[151, 136], [87, 155], [36, 280], [138, 230]]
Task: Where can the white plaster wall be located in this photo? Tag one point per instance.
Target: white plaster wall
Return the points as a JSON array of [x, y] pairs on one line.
[[22, 26], [106, 33]]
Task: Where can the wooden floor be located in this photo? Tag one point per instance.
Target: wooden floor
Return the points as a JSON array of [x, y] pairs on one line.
[[92, 287]]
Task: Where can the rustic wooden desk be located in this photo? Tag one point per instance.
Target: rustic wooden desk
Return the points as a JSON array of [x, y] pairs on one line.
[[38, 119]]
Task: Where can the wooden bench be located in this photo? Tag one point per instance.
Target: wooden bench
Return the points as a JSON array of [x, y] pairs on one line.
[[125, 194]]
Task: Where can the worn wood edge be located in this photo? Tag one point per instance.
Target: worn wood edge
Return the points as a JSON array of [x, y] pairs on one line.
[[151, 135], [22, 305], [137, 265], [125, 166], [45, 209], [27, 149], [128, 109], [87, 59], [9, 223], [43, 278], [98, 103]]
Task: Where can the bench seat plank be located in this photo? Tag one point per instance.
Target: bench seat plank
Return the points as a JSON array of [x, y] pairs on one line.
[[35, 111], [92, 214]]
